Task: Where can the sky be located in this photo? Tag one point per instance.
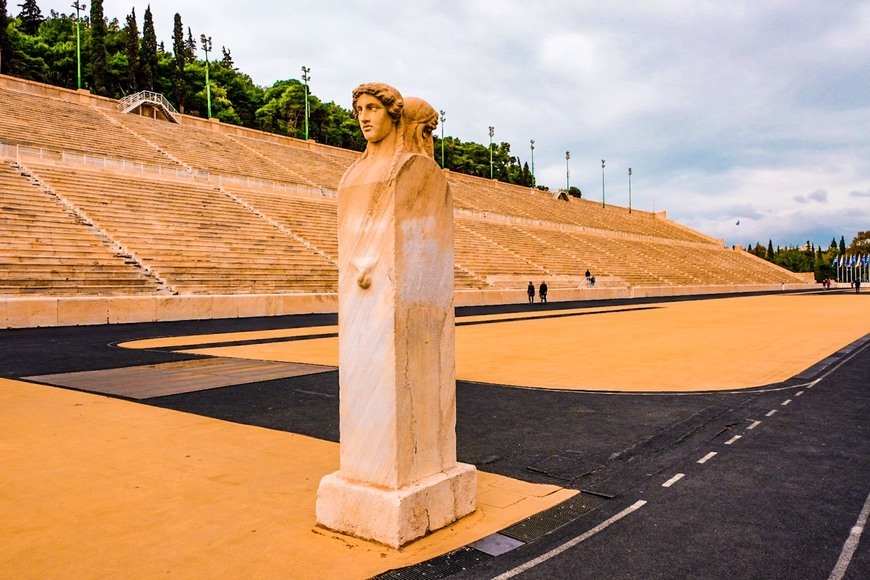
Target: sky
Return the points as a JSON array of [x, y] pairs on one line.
[[745, 120]]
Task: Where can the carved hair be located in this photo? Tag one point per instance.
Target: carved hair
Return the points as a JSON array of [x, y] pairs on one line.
[[419, 121], [390, 97]]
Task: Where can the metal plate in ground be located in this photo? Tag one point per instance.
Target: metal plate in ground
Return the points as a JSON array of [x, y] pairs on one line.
[[146, 381], [534, 527], [496, 544]]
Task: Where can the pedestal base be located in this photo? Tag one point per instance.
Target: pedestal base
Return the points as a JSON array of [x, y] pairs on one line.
[[396, 517]]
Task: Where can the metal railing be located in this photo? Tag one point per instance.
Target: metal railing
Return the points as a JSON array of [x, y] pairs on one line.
[[130, 102]]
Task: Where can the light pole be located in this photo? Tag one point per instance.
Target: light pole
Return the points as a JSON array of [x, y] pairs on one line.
[[567, 173], [491, 133], [206, 46], [443, 118], [629, 190], [602, 183], [78, 6], [305, 79], [532, 145]]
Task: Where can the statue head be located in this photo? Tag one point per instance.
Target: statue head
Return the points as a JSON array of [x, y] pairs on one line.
[[419, 121], [378, 108]]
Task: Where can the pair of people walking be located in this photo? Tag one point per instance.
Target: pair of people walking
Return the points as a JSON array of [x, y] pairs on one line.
[[542, 292]]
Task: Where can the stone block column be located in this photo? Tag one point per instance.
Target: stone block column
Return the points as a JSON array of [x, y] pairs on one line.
[[398, 476]]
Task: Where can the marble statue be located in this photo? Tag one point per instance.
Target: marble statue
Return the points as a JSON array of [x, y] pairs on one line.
[[398, 477]]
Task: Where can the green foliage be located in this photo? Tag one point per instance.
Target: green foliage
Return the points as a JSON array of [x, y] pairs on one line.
[[30, 17], [28, 56], [131, 50], [148, 58], [5, 45], [97, 48], [575, 192], [794, 260], [860, 243], [179, 51]]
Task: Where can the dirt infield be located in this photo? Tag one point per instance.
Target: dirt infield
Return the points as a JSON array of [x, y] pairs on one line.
[[705, 345]]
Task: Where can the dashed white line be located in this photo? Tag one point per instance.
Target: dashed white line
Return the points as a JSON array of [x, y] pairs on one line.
[[757, 423], [771, 413], [733, 439], [851, 543], [707, 457], [571, 543], [674, 480], [786, 402], [799, 393]]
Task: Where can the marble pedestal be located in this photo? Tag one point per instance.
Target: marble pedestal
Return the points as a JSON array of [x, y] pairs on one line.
[[398, 477]]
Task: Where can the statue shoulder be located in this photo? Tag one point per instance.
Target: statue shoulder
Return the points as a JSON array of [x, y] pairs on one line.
[[418, 163]]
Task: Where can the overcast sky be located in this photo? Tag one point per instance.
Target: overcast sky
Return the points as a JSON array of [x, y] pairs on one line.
[[726, 110]]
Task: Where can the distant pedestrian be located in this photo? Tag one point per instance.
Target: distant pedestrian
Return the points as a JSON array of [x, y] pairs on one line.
[[531, 291], [857, 285], [543, 292]]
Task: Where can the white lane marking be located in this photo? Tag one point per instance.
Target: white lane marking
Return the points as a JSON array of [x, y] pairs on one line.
[[732, 440], [813, 384], [707, 457], [571, 543], [674, 480], [786, 402], [757, 423], [851, 543], [771, 413], [799, 393]]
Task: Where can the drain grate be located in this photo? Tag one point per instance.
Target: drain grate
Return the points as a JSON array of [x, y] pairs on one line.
[[534, 527], [441, 567]]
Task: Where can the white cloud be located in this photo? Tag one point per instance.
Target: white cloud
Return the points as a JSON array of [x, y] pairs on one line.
[[819, 196]]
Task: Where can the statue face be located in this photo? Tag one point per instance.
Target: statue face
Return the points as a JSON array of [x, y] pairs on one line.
[[373, 118]]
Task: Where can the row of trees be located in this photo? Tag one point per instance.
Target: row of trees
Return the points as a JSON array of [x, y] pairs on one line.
[[810, 258], [117, 60]]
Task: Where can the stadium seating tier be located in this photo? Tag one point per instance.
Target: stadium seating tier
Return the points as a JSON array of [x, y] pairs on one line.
[[245, 212]]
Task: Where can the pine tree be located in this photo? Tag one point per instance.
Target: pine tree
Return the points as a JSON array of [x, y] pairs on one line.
[[842, 246], [97, 48], [227, 59], [527, 176], [770, 254], [30, 17], [148, 57], [132, 50], [179, 51], [190, 46], [5, 45]]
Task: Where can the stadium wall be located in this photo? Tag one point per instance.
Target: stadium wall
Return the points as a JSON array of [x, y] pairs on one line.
[[33, 312]]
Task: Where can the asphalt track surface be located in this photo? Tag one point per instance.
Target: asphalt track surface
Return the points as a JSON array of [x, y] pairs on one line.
[[758, 483]]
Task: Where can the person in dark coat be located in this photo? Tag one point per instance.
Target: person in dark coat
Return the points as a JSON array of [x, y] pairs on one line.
[[543, 292], [531, 293]]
